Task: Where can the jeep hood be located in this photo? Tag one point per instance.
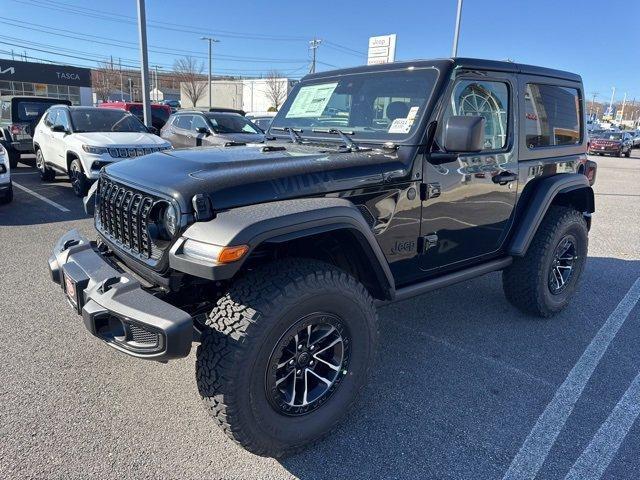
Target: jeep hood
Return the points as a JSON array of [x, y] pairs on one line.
[[245, 175], [118, 139]]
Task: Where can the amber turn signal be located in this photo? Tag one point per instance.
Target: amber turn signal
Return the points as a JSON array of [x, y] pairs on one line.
[[231, 254]]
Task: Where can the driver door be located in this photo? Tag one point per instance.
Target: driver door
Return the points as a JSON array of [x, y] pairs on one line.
[[57, 151], [470, 197]]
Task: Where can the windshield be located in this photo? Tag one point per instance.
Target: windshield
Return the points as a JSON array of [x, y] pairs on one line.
[[378, 105], [231, 123], [105, 120], [612, 136]]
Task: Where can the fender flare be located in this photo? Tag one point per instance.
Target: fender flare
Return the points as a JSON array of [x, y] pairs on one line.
[[278, 222], [538, 202]]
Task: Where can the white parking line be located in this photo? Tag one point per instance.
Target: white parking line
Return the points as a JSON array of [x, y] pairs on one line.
[[595, 459], [44, 199], [534, 451]]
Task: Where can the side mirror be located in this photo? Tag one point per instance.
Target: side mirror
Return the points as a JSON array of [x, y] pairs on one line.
[[464, 134], [59, 129], [153, 130], [204, 130]]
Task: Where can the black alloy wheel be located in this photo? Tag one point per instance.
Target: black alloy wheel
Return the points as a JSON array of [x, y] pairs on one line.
[[564, 259], [307, 364]]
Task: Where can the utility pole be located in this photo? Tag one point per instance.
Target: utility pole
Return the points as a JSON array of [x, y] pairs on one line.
[[121, 84], [211, 42], [313, 45], [624, 102], [144, 61], [157, 83], [593, 102], [456, 33]]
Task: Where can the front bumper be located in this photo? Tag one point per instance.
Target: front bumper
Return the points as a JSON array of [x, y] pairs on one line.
[[597, 149], [114, 306]]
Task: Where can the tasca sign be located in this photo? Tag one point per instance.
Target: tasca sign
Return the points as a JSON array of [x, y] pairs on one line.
[[11, 70], [382, 49]]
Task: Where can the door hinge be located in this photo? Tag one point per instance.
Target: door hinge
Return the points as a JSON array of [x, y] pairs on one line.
[[429, 190], [427, 242]]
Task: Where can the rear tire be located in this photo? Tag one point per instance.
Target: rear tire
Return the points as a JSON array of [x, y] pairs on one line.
[[538, 283], [79, 181], [242, 363], [14, 157], [628, 154], [8, 195], [46, 174]]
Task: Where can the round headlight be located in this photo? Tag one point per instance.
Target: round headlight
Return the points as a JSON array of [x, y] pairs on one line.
[[170, 220]]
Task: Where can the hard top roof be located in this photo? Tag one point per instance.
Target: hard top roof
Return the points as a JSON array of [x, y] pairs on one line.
[[458, 62]]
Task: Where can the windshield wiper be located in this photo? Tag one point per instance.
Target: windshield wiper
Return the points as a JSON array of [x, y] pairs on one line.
[[293, 133], [350, 144]]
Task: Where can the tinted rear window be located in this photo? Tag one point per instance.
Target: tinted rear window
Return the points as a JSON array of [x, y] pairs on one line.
[[29, 110], [552, 115]]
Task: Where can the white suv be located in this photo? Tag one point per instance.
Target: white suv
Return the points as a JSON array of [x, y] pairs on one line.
[[79, 141], [6, 187]]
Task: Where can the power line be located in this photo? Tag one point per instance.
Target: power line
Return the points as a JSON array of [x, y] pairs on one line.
[[113, 17], [133, 46]]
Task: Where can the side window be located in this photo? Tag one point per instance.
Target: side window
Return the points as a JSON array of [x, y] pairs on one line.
[[552, 115], [63, 120], [487, 99], [50, 118], [198, 122], [6, 110], [183, 121]]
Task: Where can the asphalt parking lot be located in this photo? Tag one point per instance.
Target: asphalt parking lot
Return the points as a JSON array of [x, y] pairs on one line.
[[464, 385]]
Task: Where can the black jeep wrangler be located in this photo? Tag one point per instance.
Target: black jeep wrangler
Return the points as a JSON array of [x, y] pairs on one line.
[[374, 184]]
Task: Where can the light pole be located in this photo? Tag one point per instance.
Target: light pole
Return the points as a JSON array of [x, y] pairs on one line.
[[157, 83], [144, 61], [456, 34], [211, 42]]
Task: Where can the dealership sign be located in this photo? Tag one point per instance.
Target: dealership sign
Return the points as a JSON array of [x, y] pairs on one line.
[[382, 49], [11, 70]]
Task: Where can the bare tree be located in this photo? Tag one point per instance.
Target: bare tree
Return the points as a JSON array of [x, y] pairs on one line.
[[105, 80], [189, 73], [276, 88]]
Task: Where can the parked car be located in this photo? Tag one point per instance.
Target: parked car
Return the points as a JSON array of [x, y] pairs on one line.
[[18, 118], [275, 256], [261, 120], [159, 113], [611, 143], [80, 141], [6, 186], [173, 104], [193, 128], [635, 138]]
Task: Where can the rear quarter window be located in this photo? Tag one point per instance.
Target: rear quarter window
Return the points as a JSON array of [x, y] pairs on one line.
[[552, 115]]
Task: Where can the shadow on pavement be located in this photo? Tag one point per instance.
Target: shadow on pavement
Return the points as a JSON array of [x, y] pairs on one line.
[[458, 380]]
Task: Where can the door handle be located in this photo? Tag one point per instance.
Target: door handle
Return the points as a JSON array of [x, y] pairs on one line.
[[504, 177]]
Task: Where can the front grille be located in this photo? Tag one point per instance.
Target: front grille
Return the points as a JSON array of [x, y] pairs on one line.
[[130, 152], [122, 216], [140, 335]]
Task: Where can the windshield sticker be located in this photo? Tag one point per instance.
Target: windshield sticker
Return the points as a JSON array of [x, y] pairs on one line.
[[400, 125], [413, 113], [311, 101]]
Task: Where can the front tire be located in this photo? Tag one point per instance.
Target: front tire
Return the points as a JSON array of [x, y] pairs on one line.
[[79, 180], [46, 174], [628, 154], [544, 280], [14, 157], [256, 369]]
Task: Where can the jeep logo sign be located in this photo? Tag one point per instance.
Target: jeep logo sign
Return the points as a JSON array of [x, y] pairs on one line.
[[44, 73]]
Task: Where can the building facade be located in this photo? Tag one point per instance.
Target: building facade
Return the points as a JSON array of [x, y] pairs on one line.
[[46, 80]]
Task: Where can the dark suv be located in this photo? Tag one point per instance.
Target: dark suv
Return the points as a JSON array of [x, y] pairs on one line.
[[374, 184], [193, 128], [18, 119]]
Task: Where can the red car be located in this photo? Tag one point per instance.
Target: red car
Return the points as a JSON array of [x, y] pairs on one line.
[[613, 143], [159, 113]]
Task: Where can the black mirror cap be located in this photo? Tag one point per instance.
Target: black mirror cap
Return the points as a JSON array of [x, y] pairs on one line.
[[153, 130], [204, 130], [464, 133], [59, 129]]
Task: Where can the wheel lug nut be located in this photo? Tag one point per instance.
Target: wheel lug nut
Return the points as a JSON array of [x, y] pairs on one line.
[[312, 347], [299, 347], [311, 362], [291, 362], [298, 372]]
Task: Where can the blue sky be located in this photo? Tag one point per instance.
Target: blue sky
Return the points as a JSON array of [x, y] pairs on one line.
[[598, 39]]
